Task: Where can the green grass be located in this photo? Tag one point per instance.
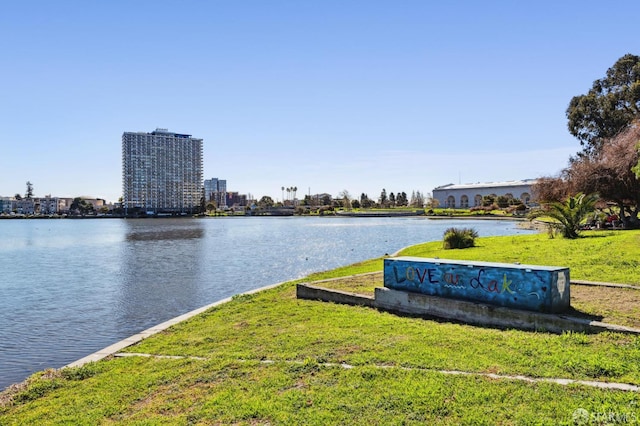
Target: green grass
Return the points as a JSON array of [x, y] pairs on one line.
[[221, 391], [395, 379]]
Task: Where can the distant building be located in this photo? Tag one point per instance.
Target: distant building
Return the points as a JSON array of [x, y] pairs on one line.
[[48, 205], [215, 190], [470, 194], [234, 199], [6, 205], [161, 172], [25, 206]]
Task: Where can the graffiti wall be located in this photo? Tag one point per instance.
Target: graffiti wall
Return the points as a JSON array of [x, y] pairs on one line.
[[536, 288]]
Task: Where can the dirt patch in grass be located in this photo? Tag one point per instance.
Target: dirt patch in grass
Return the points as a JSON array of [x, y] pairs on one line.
[[360, 284], [612, 305], [616, 305]]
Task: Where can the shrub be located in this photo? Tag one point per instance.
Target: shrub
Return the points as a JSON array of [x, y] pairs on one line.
[[459, 238]]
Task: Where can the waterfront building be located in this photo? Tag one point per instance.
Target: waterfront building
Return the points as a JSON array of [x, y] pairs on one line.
[[215, 190], [468, 195], [25, 206], [48, 205], [161, 172], [6, 205]]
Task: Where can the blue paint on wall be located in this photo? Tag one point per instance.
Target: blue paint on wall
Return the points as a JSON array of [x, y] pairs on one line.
[[535, 288]]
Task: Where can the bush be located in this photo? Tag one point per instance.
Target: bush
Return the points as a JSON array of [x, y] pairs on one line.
[[459, 238]]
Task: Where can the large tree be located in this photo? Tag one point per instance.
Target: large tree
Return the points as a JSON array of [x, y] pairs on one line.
[[609, 107], [266, 202]]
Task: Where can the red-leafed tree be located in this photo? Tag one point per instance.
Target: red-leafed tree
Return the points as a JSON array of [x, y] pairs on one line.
[[610, 174]]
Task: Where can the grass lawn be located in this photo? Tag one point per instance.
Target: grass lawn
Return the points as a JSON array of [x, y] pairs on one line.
[[269, 358]]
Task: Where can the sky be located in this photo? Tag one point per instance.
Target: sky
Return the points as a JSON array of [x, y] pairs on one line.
[[328, 96]]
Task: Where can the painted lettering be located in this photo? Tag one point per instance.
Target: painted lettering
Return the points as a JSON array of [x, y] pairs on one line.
[[506, 285], [410, 273], [450, 278], [421, 277], [432, 279], [399, 279], [491, 287]]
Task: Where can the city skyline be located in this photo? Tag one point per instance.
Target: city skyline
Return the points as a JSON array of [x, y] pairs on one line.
[[324, 96]]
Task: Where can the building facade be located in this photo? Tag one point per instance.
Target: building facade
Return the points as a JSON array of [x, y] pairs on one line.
[[236, 200], [470, 195], [215, 190], [6, 205], [161, 172]]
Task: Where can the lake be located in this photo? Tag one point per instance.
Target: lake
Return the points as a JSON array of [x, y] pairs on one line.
[[71, 287]]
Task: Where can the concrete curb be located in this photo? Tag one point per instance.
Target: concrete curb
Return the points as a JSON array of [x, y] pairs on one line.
[[118, 346], [603, 284]]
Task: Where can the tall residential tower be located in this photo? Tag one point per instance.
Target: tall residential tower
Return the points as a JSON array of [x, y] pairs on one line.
[[161, 172]]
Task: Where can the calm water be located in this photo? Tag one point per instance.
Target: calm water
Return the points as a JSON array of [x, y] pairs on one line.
[[71, 287]]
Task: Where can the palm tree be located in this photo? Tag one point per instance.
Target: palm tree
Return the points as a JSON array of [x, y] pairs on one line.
[[568, 215], [282, 195]]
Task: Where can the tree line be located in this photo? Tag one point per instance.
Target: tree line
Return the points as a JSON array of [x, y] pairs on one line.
[[345, 200]]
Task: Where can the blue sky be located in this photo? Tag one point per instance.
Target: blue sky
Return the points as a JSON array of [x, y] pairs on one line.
[[323, 95]]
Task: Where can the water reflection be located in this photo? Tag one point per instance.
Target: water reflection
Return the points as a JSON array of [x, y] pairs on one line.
[[163, 229], [160, 270]]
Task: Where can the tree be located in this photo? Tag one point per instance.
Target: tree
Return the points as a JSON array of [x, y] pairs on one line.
[[432, 202], [417, 199], [29, 194], [401, 199], [548, 189], [567, 215], [266, 202], [610, 173], [365, 201], [383, 198], [611, 105], [346, 198]]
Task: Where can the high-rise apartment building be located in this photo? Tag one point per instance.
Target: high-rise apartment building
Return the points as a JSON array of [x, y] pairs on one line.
[[215, 190], [161, 172]]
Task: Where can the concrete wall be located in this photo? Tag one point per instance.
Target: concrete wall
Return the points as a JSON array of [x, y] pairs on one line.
[[530, 287], [407, 303]]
